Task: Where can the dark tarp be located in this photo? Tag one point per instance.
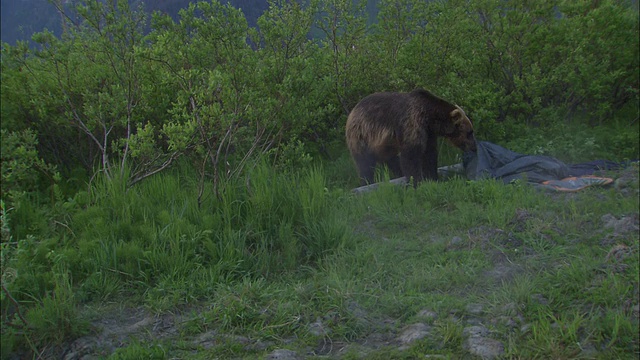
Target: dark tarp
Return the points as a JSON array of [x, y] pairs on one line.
[[494, 161]]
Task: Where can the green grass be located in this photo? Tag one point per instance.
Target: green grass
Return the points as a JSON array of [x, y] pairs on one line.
[[137, 351], [280, 251]]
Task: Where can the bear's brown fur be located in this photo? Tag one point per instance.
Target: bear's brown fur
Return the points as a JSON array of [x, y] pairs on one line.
[[400, 130]]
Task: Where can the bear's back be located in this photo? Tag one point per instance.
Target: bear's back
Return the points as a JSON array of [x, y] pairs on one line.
[[382, 108]]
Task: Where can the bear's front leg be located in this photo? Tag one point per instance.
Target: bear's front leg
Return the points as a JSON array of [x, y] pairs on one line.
[[430, 164], [366, 164], [430, 159], [394, 166], [411, 164]]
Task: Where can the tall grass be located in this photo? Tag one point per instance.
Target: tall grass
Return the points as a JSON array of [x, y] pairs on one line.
[[154, 234]]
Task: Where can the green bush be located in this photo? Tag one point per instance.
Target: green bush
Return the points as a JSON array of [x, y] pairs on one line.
[[274, 90]]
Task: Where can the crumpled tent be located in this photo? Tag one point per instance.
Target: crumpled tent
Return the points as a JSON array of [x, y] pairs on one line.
[[494, 161]]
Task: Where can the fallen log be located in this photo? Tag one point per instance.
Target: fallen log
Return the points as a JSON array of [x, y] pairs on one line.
[[444, 173], [371, 187]]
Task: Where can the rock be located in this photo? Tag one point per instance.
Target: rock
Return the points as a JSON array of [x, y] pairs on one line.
[[628, 179], [540, 299], [283, 354], [359, 313], [427, 314], [414, 332], [502, 272], [479, 344], [207, 340], [618, 253], [471, 321], [588, 350], [317, 328], [520, 219], [329, 348], [475, 309], [510, 308], [476, 330], [625, 224], [484, 347], [81, 349], [504, 320], [455, 242], [259, 345]]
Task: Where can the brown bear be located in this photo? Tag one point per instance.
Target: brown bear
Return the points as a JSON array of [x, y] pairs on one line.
[[400, 130]]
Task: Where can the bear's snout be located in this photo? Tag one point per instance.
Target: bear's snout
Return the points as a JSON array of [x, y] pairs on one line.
[[471, 146], [465, 142]]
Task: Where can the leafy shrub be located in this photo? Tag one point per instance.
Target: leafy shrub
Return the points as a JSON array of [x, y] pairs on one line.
[[23, 171], [272, 89], [575, 142]]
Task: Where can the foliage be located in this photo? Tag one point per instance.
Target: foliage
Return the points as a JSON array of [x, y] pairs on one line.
[[21, 165], [213, 88]]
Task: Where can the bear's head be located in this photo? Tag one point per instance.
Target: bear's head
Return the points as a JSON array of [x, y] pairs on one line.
[[461, 131]]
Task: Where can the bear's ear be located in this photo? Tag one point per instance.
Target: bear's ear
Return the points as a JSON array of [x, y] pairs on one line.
[[457, 115]]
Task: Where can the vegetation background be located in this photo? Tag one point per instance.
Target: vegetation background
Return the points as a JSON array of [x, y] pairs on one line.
[[166, 162]]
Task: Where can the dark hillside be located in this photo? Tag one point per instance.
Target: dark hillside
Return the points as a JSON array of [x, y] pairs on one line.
[[21, 19]]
